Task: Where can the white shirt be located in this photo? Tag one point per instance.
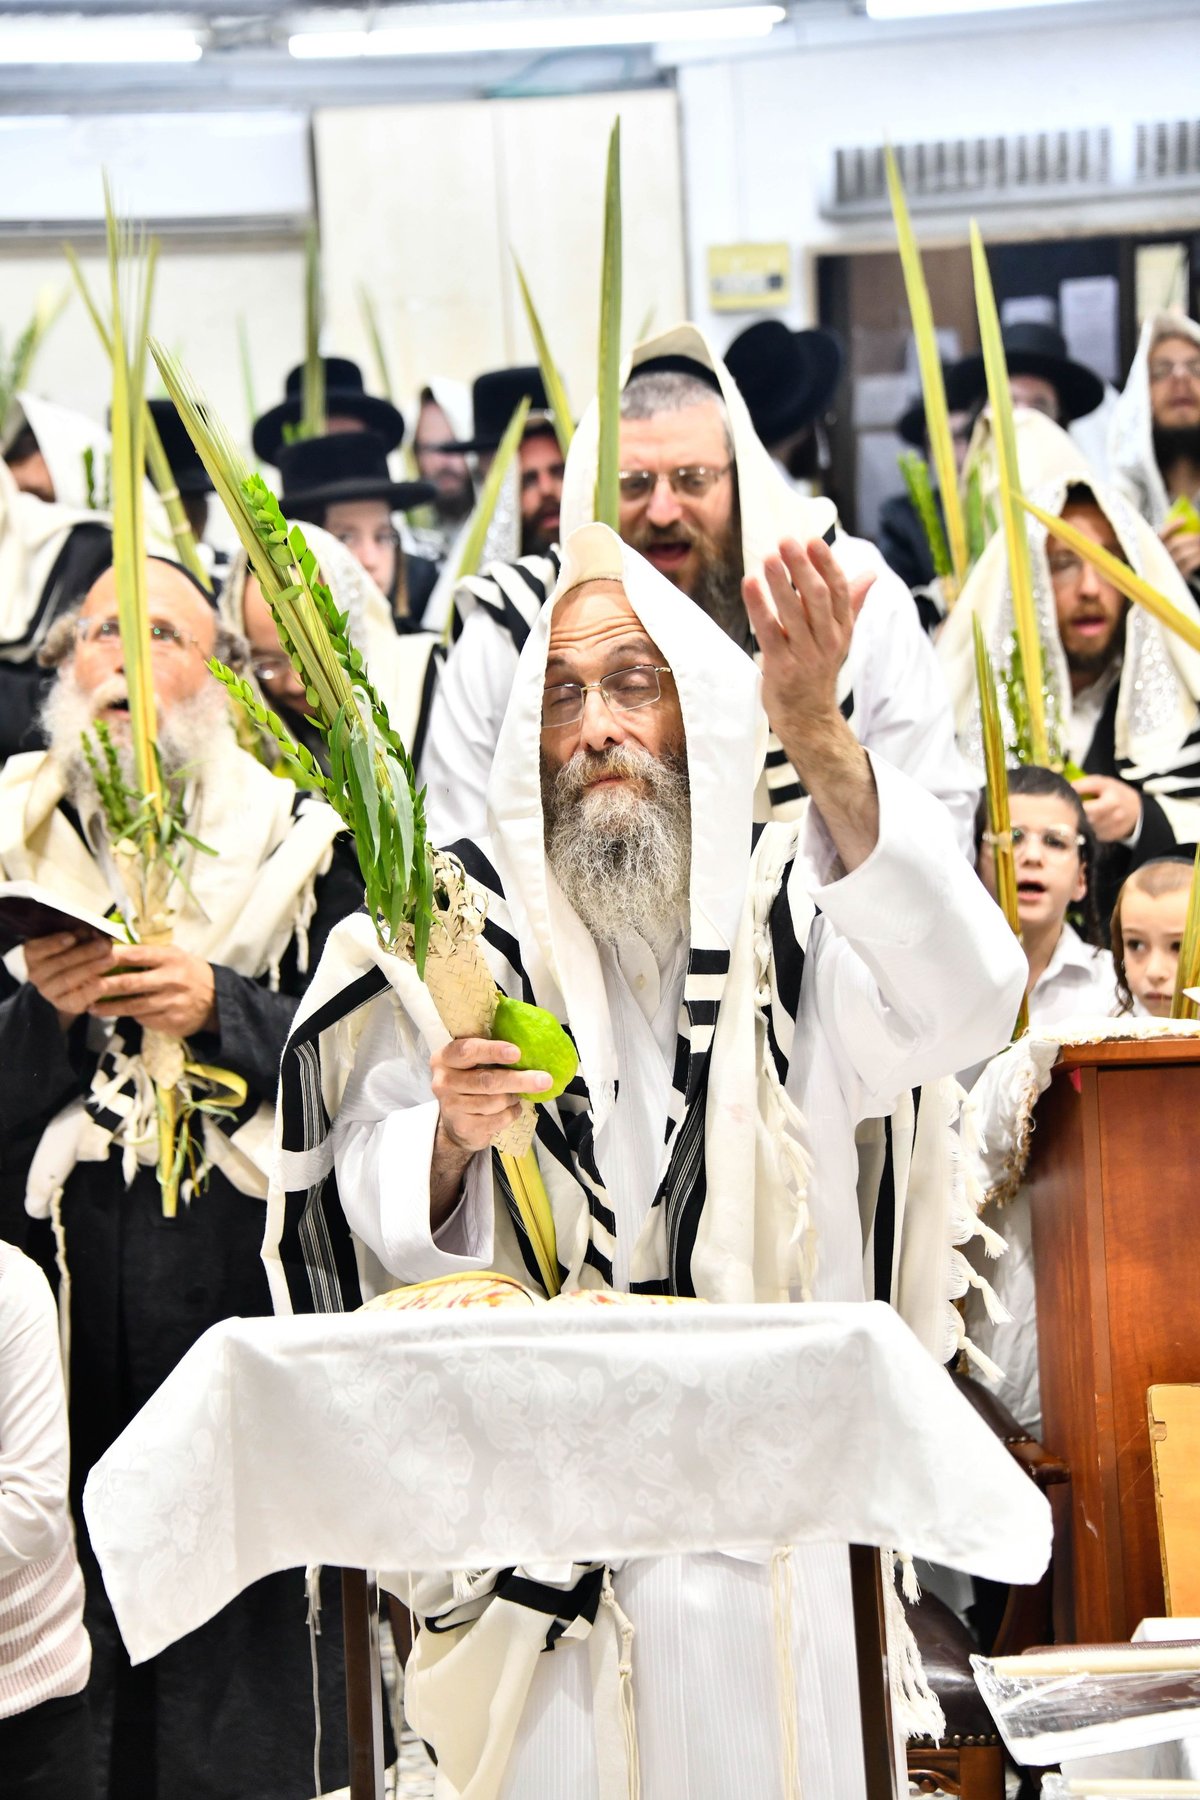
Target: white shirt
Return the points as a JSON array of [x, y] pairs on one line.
[[1078, 980], [44, 1650]]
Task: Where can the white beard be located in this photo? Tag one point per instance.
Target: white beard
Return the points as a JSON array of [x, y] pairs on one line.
[[622, 858], [188, 734]]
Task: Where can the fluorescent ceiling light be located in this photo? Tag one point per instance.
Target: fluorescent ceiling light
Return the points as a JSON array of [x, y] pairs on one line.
[[97, 42], [561, 32], [941, 9]]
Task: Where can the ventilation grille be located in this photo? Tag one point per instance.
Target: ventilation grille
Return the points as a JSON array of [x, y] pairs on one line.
[[1168, 152], [1035, 164]]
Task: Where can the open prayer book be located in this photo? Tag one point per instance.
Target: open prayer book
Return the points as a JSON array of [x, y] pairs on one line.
[[28, 910], [490, 1289]]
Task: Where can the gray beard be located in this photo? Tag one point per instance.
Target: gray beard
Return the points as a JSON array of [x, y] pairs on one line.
[[623, 859], [718, 592], [188, 734]]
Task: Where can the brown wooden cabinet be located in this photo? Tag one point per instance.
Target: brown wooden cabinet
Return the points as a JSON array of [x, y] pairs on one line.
[[1116, 1235]]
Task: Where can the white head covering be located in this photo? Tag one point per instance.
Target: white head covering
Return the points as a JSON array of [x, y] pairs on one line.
[[770, 507], [1160, 674], [1135, 470], [454, 398], [64, 438], [725, 731]]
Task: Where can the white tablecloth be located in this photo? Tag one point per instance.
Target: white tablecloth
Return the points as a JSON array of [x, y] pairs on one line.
[[466, 1439]]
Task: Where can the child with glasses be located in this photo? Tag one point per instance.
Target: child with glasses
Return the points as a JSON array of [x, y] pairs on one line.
[[1147, 930], [1054, 849]]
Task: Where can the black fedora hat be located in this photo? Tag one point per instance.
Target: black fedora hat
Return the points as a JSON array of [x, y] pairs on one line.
[[495, 397], [787, 378], [191, 476], [962, 393], [1034, 349], [346, 465], [345, 398]]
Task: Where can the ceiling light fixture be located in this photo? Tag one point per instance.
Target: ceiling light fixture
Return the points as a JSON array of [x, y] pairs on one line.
[[97, 42], [943, 9], [551, 32]]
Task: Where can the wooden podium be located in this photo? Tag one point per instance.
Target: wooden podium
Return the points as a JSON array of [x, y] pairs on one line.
[[1116, 1235]]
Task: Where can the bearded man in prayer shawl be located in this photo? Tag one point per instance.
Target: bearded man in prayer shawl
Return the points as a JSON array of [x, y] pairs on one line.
[[55, 538], [1154, 435], [739, 999], [228, 1710], [685, 426], [1122, 691]]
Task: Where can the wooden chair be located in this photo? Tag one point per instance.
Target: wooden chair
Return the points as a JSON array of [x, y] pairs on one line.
[[970, 1760]]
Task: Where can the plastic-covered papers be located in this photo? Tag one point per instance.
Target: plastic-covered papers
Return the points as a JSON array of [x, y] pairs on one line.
[[1047, 1719]]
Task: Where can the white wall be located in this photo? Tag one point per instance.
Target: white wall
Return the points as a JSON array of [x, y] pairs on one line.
[[199, 292], [759, 134], [424, 203]]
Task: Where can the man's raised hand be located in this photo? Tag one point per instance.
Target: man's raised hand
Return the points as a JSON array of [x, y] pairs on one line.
[[803, 631]]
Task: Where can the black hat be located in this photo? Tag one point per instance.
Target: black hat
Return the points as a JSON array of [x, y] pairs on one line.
[[962, 392], [345, 397], [787, 377], [346, 465], [1033, 349], [495, 397], [191, 476]]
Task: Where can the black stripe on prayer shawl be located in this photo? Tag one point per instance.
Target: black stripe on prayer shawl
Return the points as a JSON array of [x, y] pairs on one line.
[[513, 593], [884, 1228], [433, 670], [524, 1242], [562, 1605], [316, 1250]]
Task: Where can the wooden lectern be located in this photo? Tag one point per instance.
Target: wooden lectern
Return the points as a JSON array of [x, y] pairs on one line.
[[1116, 1236]]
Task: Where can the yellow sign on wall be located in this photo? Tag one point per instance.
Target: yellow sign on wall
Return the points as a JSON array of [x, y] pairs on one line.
[[749, 277]]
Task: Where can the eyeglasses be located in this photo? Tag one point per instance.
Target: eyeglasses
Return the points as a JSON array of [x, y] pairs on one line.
[[1183, 365], [108, 633], [1066, 566], [624, 691], [384, 539], [1054, 843], [270, 669], [690, 483]]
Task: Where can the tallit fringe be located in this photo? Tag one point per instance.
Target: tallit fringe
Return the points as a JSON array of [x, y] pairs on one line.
[[624, 1630], [782, 1612], [64, 1287], [967, 1200], [917, 1709], [312, 1589]]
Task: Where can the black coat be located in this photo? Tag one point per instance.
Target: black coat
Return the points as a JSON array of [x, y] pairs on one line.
[[226, 1712]]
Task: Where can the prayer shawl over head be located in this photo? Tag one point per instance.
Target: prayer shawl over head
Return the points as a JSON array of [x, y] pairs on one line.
[[1135, 470], [1157, 724], [403, 665], [251, 900], [727, 1112], [33, 532]]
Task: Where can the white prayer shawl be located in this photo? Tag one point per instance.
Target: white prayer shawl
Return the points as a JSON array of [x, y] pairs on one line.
[[1157, 735], [251, 900], [33, 531], [890, 687], [403, 666], [1135, 471], [753, 1237]]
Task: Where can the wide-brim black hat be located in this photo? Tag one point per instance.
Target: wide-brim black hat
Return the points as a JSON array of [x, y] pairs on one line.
[[345, 398], [495, 397], [191, 477], [787, 378], [962, 393], [1033, 349], [345, 465]]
